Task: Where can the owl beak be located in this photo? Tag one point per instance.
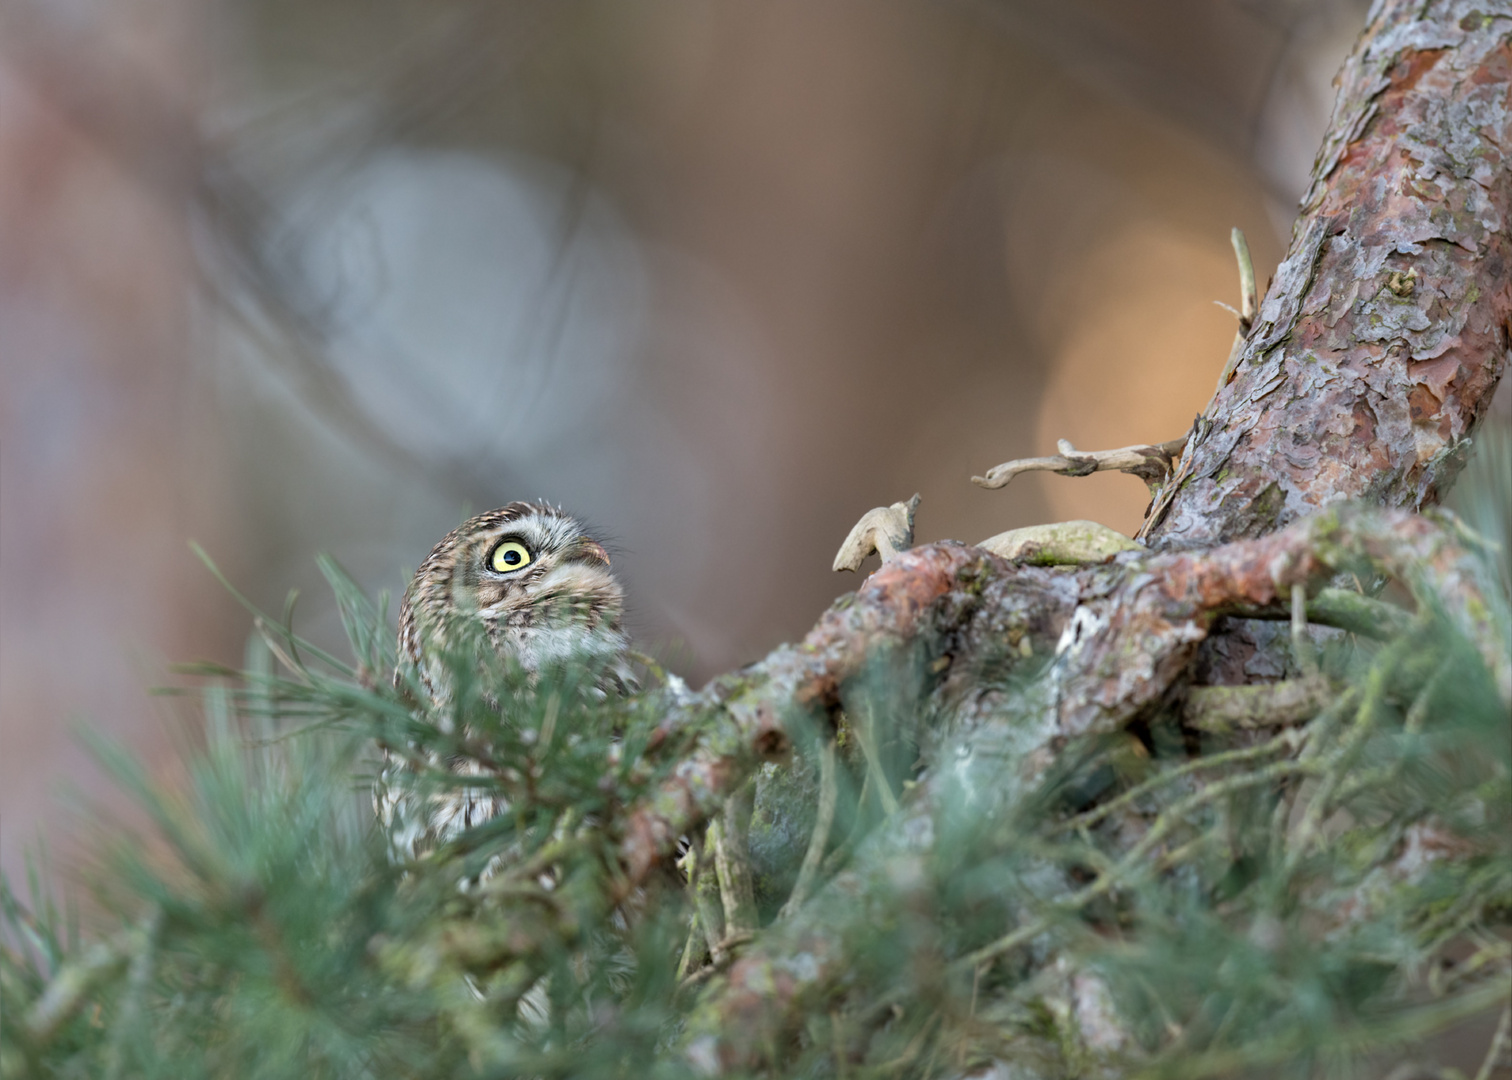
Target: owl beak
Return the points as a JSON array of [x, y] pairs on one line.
[[589, 551]]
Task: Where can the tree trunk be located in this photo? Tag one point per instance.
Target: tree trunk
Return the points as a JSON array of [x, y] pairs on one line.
[[1385, 330]]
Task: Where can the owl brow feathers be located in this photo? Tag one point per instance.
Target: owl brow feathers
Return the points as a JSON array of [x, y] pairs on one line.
[[456, 578], [563, 600]]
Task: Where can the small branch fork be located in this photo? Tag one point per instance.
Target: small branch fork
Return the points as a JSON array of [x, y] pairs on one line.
[[1155, 463]]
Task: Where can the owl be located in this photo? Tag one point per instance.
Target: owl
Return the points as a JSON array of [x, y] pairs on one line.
[[540, 590]]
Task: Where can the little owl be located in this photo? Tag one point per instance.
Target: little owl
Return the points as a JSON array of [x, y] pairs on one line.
[[540, 589]]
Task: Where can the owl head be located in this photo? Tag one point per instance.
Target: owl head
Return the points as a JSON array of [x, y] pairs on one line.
[[529, 575]]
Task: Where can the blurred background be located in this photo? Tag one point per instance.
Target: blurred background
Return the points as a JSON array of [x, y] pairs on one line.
[[289, 276]]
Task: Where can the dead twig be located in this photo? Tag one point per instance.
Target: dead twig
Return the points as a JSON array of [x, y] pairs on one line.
[[1249, 303], [1152, 463], [885, 530]]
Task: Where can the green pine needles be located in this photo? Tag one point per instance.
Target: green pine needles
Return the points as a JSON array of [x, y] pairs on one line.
[[894, 896]]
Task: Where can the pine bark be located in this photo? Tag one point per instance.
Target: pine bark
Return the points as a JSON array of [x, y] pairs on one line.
[[1384, 332]]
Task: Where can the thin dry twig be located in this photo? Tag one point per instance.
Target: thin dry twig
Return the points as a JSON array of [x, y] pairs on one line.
[[1250, 304], [1154, 463], [1151, 463]]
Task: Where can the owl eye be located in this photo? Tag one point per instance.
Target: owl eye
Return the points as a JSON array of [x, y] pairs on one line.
[[509, 556]]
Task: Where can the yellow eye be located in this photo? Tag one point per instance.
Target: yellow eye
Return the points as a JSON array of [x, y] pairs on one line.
[[509, 556]]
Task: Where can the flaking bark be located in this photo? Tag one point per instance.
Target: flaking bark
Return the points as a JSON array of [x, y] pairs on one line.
[[1385, 330]]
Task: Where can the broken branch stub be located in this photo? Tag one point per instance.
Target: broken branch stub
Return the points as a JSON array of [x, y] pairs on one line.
[[886, 530], [1234, 708]]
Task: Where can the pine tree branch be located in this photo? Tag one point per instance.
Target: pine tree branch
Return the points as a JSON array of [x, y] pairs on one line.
[[1140, 615], [1385, 330]]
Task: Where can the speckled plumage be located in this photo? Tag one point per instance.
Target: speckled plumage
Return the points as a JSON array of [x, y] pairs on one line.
[[564, 603]]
